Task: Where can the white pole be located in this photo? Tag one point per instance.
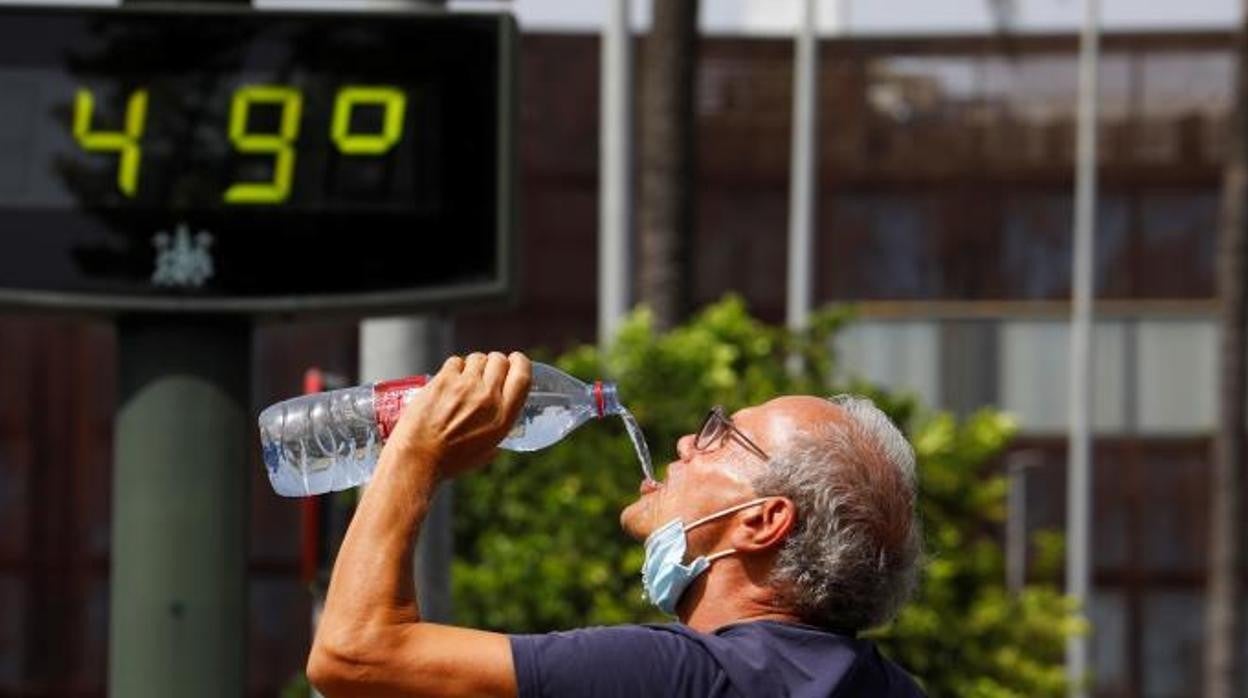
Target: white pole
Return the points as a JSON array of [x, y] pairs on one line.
[[615, 205], [835, 17], [802, 178], [1017, 465], [1078, 493]]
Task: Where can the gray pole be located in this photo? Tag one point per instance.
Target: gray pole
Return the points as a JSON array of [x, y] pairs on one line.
[[615, 160], [406, 346], [802, 178], [1016, 467], [1078, 494], [836, 17], [179, 541]]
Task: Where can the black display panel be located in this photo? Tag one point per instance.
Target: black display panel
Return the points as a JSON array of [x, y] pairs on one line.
[[228, 160]]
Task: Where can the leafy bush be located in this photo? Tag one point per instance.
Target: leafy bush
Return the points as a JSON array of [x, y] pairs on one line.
[[539, 547]]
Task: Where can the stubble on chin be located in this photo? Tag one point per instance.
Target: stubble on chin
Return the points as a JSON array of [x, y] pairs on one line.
[[628, 518], [634, 517], [641, 518]]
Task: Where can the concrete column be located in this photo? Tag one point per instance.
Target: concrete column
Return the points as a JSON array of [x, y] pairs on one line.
[[179, 550]]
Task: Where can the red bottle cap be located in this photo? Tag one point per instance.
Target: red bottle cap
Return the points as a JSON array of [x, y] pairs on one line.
[[599, 399]]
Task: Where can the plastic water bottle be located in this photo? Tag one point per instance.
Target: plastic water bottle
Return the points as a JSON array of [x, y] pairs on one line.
[[330, 441]]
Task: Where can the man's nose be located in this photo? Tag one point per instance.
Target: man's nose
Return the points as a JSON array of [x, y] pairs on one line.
[[684, 447]]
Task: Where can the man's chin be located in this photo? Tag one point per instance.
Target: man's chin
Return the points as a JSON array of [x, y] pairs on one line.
[[633, 518]]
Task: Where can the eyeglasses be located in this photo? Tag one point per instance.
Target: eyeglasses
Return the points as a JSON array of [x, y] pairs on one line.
[[717, 428]]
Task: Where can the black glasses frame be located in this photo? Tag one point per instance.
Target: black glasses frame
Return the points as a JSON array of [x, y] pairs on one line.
[[716, 428]]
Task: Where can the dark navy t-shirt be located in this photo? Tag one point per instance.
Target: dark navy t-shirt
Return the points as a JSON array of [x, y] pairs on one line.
[[746, 660]]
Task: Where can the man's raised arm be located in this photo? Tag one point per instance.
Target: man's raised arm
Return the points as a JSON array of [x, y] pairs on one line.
[[371, 639]]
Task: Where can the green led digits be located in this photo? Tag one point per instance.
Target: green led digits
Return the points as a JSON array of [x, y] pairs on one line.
[[392, 102], [125, 142], [280, 145]]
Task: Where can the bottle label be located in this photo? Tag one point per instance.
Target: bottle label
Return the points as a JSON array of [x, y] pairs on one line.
[[389, 397]]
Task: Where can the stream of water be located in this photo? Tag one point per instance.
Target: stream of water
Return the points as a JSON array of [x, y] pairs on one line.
[[639, 443]]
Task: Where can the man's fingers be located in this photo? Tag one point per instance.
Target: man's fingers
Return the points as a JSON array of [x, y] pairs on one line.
[[495, 371], [453, 364], [516, 385], [474, 364]]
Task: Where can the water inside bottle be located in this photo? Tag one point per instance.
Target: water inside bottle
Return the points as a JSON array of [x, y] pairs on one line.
[[549, 416], [320, 443], [639, 443], [546, 418]]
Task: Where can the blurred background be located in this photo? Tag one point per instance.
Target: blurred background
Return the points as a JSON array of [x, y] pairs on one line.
[[943, 205]]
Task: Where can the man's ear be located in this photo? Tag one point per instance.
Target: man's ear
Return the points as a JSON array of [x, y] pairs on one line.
[[766, 525]]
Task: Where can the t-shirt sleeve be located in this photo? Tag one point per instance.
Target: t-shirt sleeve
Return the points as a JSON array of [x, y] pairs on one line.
[[625, 661]]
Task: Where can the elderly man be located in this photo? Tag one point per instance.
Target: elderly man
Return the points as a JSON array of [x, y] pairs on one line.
[[777, 535]]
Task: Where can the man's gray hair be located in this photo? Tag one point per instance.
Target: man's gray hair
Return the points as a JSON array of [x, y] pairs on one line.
[[853, 555]]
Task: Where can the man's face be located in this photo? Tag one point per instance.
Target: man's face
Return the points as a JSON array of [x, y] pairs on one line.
[[703, 482]]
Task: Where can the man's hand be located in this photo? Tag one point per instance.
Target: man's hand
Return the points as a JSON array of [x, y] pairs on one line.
[[455, 423]]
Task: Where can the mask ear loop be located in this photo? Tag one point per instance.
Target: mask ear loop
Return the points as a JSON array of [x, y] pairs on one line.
[[711, 517], [723, 553], [724, 512]]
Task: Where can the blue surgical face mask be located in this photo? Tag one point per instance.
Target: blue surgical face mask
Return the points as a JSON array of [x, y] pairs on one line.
[[664, 575]]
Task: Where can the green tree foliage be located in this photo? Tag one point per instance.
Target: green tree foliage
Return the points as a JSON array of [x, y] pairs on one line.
[[539, 546]]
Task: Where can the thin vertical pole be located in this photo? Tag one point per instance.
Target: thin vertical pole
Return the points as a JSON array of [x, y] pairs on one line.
[[405, 346], [1224, 596], [394, 347], [1078, 494], [1017, 466], [615, 205], [802, 176]]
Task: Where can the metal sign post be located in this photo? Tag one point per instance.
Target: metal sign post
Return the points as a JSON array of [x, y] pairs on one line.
[[803, 173], [1079, 478], [615, 158], [178, 606]]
